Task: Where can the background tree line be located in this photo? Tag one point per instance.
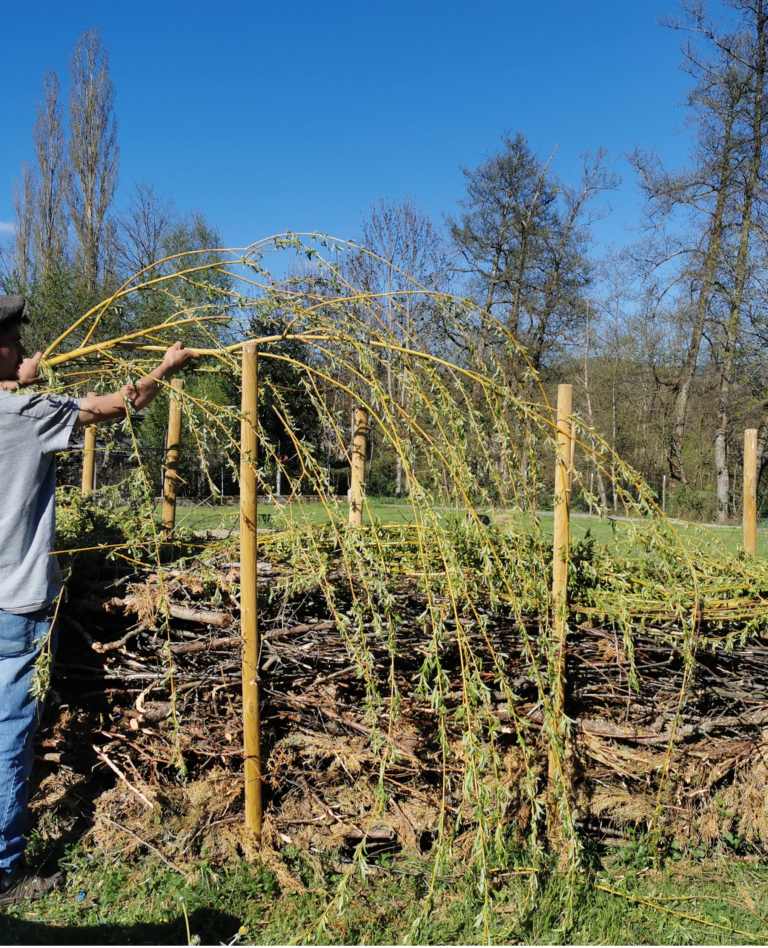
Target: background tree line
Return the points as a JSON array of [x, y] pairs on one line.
[[664, 339]]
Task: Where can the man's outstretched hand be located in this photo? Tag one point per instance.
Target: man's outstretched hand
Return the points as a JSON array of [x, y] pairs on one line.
[[177, 357], [28, 369], [107, 407]]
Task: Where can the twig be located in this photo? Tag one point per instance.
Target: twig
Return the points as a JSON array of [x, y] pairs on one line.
[[691, 918], [143, 842], [122, 776]]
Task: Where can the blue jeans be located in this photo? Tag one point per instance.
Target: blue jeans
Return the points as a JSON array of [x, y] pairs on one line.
[[21, 640]]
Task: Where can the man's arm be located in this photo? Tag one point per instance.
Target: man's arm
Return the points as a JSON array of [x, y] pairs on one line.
[[108, 407]]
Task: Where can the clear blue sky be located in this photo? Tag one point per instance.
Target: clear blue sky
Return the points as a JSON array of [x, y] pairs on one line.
[[275, 115]]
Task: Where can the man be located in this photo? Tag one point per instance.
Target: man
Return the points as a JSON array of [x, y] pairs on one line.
[[33, 427]]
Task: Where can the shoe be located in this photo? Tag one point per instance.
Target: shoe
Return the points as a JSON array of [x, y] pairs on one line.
[[24, 886]]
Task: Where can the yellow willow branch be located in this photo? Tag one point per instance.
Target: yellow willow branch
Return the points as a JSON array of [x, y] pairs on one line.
[[104, 347]]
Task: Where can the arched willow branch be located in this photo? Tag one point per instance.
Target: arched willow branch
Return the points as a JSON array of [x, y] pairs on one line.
[[471, 429]]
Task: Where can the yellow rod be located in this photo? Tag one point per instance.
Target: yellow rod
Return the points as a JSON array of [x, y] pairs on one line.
[[171, 475], [89, 456], [560, 596], [750, 490], [357, 465], [249, 446]]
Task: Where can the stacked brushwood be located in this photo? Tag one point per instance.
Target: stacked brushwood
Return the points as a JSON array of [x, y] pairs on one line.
[[346, 710]]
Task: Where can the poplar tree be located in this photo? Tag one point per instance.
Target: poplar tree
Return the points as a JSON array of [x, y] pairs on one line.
[[49, 224], [24, 196], [93, 152]]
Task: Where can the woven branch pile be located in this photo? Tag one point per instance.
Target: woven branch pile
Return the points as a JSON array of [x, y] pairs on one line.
[[412, 717]]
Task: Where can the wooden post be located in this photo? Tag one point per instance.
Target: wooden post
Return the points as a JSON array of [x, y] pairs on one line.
[[560, 592], [664, 494], [750, 490], [357, 466], [249, 447], [89, 456], [172, 445], [591, 489]]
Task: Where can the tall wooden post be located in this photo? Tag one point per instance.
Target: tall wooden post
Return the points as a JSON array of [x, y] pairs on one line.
[[170, 476], [750, 490], [249, 446], [560, 592], [89, 456], [357, 467]]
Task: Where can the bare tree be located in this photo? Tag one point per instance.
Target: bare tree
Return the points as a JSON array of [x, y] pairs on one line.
[[749, 52], [143, 228], [50, 223], [93, 150], [585, 382], [410, 253], [703, 191], [24, 200]]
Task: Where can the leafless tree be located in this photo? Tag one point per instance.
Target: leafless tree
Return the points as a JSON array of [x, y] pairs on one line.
[[410, 255], [703, 191], [49, 223], [93, 150], [143, 228], [24, 200], [749, 52]]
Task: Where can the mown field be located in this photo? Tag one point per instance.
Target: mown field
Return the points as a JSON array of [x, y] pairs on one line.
[[606, 531]]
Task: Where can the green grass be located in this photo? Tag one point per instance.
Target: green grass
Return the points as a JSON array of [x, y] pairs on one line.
[[216, 518], [607, 532], [617, 532], [106, 902]]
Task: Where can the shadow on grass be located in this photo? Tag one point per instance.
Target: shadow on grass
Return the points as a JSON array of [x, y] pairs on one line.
[[211, 926]]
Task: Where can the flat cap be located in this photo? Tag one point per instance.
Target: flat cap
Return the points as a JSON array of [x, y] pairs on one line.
[[13, 309]]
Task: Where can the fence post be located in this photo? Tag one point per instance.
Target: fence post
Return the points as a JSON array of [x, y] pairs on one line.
[[750, 490], [560, 597], [170, 476], [357, 465], [664, 494], [249, 446], [89, 456]]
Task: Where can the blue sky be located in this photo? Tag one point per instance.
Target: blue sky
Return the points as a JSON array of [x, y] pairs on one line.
[[294, 115]]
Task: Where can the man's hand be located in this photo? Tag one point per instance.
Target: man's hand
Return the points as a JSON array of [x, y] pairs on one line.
[[109, 407], [26, 374], [177, 357], [28, 369], [129, 392]]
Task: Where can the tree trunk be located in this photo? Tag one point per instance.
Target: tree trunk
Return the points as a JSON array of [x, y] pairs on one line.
[[685, 381], [613, 449], [737, 299]]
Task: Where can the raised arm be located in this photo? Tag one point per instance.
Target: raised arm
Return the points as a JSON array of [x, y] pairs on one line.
[[108, 407]]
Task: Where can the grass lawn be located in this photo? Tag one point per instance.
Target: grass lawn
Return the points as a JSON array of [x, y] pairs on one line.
[[605, 531], [721, 901], [612, 532]]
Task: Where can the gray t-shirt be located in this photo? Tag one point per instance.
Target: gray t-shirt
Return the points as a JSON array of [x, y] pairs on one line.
[[32, 429]]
